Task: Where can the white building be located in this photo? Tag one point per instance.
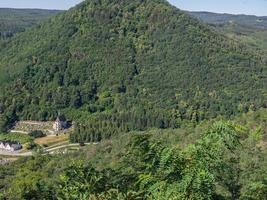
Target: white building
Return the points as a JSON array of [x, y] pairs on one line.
[[10, 146], [60, 124]]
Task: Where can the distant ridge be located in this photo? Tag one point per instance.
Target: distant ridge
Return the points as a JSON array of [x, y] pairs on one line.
[[258, 22], [248, 29], [14, 20], [29, 9]]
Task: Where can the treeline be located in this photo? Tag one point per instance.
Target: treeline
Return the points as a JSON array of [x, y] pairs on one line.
[[104, 126]]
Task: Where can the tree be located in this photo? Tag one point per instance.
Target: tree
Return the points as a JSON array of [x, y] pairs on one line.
[[37, 134], [80, 182], [3, 123]]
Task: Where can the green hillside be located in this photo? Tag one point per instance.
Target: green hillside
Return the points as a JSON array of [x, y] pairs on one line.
[[127, 65], [248, 29], [256, 39], [17, 20]]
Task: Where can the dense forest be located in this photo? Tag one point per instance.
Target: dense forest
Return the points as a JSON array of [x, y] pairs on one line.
[[13, 21], [220, 160], [115, 66]]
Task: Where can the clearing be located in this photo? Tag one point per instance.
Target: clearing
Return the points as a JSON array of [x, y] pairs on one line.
[[52, 140]]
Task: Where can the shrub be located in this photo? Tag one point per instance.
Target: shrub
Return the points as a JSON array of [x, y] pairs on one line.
[[37, 134]]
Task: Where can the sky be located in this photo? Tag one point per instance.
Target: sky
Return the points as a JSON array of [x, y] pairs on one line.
[[252, 7], [44, 4]]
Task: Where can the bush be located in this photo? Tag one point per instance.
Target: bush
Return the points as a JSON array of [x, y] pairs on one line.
[[18, 137], [37, 134], [29, 145]]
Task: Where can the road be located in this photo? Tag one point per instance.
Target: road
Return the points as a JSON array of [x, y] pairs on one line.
[[49, 149], [46, 150], [17, 153]]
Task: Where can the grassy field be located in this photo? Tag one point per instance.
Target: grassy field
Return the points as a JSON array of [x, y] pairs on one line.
[[49, 141]]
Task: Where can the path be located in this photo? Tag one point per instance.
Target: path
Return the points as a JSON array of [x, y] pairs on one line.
[[9, 153], [17, 131], [49, 149], [46, 150]]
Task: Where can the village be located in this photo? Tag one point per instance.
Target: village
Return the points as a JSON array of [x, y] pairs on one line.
[[53, 131]]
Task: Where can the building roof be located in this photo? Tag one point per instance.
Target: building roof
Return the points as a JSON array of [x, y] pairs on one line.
[[60, 119], [16, 145], [9, 142]]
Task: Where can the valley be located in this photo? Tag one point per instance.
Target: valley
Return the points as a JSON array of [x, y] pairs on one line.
[[248, 29], [132, 99], [13, 21]]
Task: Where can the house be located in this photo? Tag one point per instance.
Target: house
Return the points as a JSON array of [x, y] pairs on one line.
[[60, 124], [10, 146]]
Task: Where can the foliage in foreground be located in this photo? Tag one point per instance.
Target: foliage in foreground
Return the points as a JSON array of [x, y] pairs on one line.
[[226, 162]]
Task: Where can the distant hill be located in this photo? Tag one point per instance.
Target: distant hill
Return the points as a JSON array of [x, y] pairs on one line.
[[249, 29], [115, 66], [242, 20], [17, 20]]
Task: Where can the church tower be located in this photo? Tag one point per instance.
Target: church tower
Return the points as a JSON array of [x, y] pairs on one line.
[[57, 125]]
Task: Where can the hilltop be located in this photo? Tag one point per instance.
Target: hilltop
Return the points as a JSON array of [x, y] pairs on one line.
[[127, 65]]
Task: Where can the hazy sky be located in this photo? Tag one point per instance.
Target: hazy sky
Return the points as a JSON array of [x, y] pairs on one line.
[[255, 7], [46, 4]]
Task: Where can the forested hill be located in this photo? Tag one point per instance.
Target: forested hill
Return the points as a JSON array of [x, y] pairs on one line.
[[127, 65], [17, 20]]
